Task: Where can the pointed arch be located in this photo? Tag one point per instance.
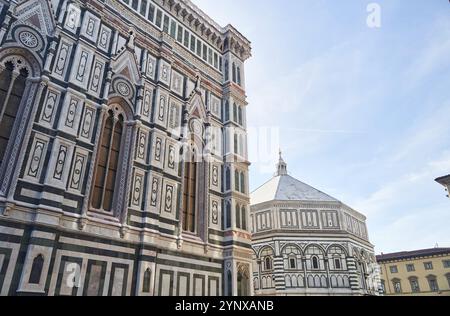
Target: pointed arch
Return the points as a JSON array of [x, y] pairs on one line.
[[36, 270], [37, 14], [111, 158]]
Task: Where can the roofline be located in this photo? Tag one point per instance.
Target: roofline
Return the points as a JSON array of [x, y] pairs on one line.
[[399, 256]]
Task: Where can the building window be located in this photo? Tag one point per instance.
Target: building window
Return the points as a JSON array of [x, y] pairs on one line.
[[432, 281], [238, 216], [189, 195], [147, 279], [180, 34], [234, 72], [292, 263], [12, 87], [244, 218], [151, 13], [143, 7], [166, 24], [397, 286], [315, 263], [268, 264], [228, 212], [337, 264], [448, 279], [242, 183], [266, 258], [393, 269], [186, 38], [414, 285], [135, 4], [108, 161], [428, 265], [446, 264], [410, 268], [36, 270], [243, 283], [173, 28], [238, 70], [158, 21], [383, 287]]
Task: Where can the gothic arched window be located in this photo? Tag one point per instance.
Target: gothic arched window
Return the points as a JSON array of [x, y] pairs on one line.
[[242, 179], [107, 167], [240, 120], [243, 284], [227, 111], [228, 179], [147, 279], [12, 88], [228, 213], [238, 216], [238, 70], [226, 70], [234, 72], [236, 180], [36, 270], [244, 218]]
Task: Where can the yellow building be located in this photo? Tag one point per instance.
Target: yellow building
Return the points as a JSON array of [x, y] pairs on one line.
[[421, 272]]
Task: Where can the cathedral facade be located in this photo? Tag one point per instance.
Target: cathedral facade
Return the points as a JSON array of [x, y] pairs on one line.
[[306, 243], [122, 150]]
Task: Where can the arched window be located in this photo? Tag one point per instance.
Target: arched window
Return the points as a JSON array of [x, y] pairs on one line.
[[238, 216], [236, 180], [226, 70], [108, 160], [266, 258], [292, 257], [189, 195], [234, 72], [228, 179], [338, 258], [227, 111], [238, 70], [12, 87], [147, 279], [241, 145], [235, 112], [236, 148], [240, 116], [315, 263], [242, 182], [228, 212], [244, 219], [243, 284], [36, 270]]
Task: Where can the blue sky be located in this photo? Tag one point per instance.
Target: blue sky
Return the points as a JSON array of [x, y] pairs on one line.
[[363, 114]]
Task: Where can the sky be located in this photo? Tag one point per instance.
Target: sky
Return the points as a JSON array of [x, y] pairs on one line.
[[360, 113]]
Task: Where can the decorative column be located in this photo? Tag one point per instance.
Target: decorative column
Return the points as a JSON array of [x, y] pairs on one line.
[[34, 88], [327, 268], [127, 173], [101, 110], [278, 269], [353, 274]]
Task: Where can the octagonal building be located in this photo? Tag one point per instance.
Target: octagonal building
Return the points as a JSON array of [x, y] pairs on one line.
[[308, 243]]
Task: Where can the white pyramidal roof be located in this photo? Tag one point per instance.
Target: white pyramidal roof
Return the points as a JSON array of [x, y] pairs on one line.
[[283, 187]]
